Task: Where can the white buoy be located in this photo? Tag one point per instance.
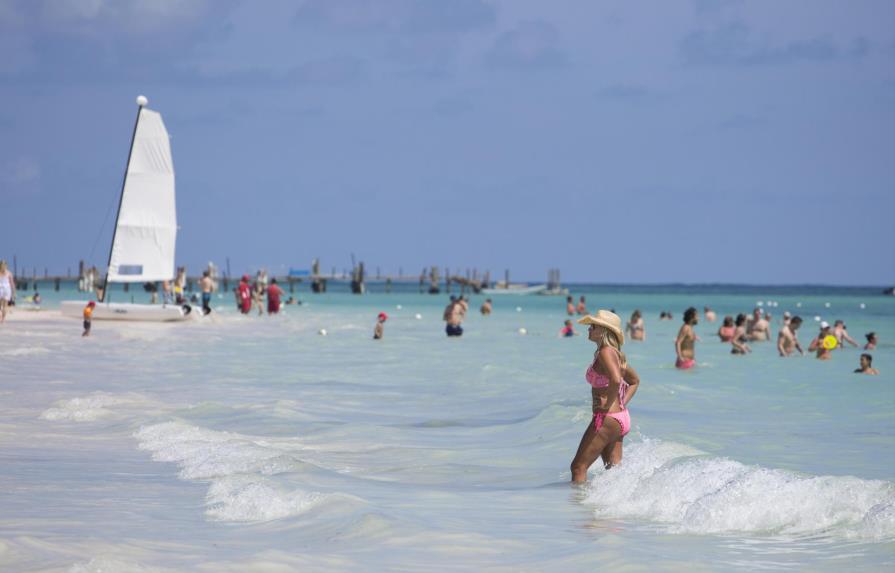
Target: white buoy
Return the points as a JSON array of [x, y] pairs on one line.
[[142, 101], [826, 304], [798, 305], [418, 316], [518, 309], [759, 303], [322, 332], [399, 307], [522, 331], [863, 305], [816, 318]]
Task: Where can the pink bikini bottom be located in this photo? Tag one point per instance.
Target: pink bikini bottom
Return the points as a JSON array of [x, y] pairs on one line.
[[623, 418], [685, 364]]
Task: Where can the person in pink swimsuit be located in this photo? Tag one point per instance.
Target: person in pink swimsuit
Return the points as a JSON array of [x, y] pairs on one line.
[[613, 384]]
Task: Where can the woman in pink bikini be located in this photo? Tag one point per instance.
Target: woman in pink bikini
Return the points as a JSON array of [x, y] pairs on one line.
[[613, 385]]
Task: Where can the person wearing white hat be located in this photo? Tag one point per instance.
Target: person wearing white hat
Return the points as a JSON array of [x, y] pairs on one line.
[[613, 384], [817, 345]]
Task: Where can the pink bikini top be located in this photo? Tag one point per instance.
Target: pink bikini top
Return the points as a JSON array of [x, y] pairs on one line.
[[600, 381]]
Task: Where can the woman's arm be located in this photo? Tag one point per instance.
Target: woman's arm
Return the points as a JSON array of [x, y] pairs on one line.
[[633, 381], [680, 338], [743, 347]]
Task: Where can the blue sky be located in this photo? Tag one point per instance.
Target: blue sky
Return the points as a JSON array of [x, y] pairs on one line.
[[697, 141]]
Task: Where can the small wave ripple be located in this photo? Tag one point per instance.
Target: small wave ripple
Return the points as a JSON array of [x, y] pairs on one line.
[[238, 468]]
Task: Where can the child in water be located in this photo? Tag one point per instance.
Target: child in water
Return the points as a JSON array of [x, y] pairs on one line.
[[88, 315], [567, 330], [379, 330]]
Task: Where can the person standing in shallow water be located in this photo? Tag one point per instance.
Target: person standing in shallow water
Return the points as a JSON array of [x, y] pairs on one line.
[[274, 292], [7, 289], [685, 344], [570, 306], [613, 384], [635, 326]]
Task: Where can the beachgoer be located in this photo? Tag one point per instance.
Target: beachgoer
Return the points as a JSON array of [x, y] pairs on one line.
[[635, 326], [379, 329], [758, 328], [274, 292], [787, 316], [166, 292], [739, 335], [7, 289], [567, 330], [840, 331], [570, 306], [817, 345], [88, 316], [709, 314], [486, 307], [867, 365], [685, 343], [207, 286], [582, 306], [665, 315], [258, 296], [613, 384], [453, 316], [244, 295], [787, 341], [464, 305], [35, 299], [871, 341], [727, 329]]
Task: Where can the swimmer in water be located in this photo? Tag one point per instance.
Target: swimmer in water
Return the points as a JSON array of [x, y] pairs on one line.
[[758, 328], [567, 330], [582, 307], [787, 341], [841, 334], [685, 343], [635, 328], [709, 314], [613, 384], [867, 365], [570, 306], [727, 329], [817, 345], [871, 341], [486, 307], [379, 329]]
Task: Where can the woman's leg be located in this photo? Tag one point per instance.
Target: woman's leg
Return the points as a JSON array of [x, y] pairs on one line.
[[612, 453], [2, 309], [593, 442]]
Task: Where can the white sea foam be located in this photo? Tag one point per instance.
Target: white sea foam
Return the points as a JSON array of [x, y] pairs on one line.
[[672, 484], [236, 465], [95, 406], [25, 351], [109, 565]]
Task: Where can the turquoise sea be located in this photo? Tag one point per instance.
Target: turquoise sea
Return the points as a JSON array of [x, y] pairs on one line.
[[238, 443]]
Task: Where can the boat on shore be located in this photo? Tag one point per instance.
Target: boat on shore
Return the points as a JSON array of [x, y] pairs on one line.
[[145, 231], [516, 289]]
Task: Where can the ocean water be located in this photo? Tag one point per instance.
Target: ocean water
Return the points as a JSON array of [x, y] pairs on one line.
[[256, 444]]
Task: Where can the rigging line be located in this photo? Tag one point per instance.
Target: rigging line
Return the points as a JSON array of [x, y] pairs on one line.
[[101, 229]]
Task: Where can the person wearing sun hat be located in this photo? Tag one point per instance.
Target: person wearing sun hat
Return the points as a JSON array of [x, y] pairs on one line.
[[613, 384]]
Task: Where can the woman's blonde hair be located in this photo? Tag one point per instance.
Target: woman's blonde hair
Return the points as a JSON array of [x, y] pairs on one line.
[[3, 266], [609, 338]]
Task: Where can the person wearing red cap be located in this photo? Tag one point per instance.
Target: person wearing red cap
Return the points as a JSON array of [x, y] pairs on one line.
[[244, 295], [88, 315], [379, 330]]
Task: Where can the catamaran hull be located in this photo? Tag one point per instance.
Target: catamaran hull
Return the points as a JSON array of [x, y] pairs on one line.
[[515, 290], [127, 311]]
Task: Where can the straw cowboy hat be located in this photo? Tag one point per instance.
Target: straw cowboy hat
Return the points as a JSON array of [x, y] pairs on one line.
[[608, 320]]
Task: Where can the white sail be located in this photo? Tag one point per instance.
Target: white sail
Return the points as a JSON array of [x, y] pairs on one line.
[[143, 249]]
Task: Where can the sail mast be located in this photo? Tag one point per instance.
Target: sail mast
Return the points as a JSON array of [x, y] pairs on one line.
[[141, 102]]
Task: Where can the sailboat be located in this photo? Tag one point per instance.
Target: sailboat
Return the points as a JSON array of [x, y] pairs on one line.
[[145, 232]]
